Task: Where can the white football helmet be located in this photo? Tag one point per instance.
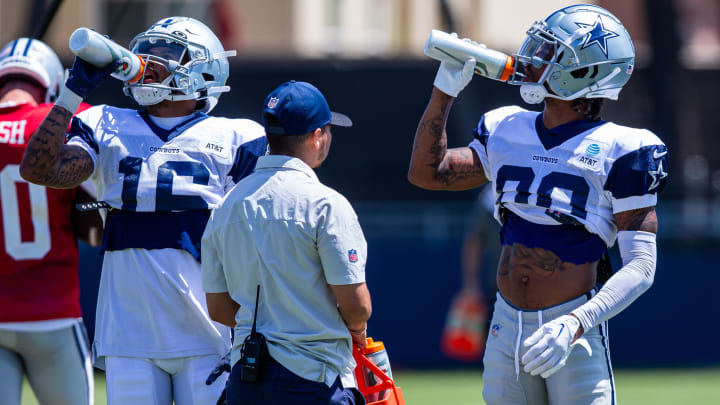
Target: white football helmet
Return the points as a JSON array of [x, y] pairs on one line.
[[585, 52], [32, 58], [193, 56]]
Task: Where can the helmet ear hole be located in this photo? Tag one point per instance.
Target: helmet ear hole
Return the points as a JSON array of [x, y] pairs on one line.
[[208, 77], [580, 73]]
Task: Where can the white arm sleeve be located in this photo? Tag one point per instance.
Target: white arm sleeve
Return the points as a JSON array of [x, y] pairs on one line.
[[639, 255]]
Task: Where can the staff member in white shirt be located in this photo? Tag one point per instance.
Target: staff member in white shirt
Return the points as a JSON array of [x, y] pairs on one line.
[[300, 241]]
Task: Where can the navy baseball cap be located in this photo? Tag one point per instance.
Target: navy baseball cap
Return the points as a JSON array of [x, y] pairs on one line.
[[299, 108]]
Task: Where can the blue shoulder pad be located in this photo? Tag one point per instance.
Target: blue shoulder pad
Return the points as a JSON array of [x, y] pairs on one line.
[[481, 132], [246, 157], [79, 128], [640, 172]]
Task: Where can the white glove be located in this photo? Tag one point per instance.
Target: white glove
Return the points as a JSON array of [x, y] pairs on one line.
[[451, 78], [550, 346]]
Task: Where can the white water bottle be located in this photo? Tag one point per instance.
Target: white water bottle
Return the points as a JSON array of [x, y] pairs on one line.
[[100, 51], [448, 48]]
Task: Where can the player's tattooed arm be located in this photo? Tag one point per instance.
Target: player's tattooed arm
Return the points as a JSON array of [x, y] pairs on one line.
[[641, 219], [434, 166], [48, 161]]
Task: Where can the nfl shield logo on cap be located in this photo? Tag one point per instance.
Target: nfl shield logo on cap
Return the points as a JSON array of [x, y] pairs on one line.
[[352, 255], [273, 102]]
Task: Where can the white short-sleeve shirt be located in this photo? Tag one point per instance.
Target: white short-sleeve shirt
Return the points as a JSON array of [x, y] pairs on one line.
[[282, 229]]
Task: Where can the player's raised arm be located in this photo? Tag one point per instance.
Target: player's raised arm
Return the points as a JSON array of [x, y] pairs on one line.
[[432, 165], [48, 161]]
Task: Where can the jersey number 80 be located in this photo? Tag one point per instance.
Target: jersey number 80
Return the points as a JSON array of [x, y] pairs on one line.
[[525, 176]]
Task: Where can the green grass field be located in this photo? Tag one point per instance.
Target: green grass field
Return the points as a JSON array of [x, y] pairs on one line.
[[656, 387]]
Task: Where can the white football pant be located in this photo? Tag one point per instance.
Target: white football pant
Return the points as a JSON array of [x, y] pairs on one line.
[[136, 381], [585, 379]]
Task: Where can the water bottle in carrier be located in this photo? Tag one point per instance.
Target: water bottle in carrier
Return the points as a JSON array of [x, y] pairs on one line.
[[374, 376]]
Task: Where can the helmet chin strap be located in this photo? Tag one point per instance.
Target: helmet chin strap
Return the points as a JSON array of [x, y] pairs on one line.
[[535, 93]]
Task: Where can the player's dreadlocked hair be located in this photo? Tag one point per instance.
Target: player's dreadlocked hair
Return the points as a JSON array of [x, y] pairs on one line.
[[589, 106]]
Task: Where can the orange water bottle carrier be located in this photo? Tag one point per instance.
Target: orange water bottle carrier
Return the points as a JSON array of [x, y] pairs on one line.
[[376, 383]]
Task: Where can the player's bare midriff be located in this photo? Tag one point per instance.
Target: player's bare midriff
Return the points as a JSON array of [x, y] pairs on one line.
[[535, 278]]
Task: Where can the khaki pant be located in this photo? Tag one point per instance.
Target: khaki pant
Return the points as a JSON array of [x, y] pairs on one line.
[[585, 379], [57, 365]]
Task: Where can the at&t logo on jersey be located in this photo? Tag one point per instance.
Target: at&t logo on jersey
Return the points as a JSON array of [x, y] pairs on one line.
[[593, 149], [214, 147], [589, 154], [588, 161]]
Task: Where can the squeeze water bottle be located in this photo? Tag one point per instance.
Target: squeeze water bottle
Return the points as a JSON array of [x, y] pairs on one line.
[[375, 352], [100, 51], [448, 48]]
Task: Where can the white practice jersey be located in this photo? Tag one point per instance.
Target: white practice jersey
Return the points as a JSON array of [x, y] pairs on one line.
[[161, 186], [582, 171]]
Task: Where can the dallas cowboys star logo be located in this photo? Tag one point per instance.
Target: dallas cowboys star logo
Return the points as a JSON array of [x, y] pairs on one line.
[[597, 36], [657, 175]]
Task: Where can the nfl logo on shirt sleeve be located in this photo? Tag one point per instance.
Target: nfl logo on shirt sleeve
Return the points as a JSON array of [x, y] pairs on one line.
[[352, 255]]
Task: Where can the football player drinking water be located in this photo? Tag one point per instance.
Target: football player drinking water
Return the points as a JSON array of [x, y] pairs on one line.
[[567, 185], [159, 171]]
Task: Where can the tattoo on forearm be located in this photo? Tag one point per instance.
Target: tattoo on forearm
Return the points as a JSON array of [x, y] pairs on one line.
[[434, 125], [48, 161], [75, 166], [459, 164], [432, 162], [642, 219]]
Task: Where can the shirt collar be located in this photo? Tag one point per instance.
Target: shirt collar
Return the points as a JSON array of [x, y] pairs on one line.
[[166, 134], [285, 162], [553, 137]]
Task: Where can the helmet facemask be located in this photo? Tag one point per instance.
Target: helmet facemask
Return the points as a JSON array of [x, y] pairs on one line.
[[540, 50], [536, 60]]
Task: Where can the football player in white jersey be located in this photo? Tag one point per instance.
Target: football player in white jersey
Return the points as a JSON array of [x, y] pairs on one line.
[[567, 185], [159, 171]]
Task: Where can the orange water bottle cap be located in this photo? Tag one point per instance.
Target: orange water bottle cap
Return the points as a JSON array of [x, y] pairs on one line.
[[372, 346], [508, 69], [140, 72]]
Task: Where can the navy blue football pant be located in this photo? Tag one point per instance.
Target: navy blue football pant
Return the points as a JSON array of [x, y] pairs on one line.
[[280, 386]]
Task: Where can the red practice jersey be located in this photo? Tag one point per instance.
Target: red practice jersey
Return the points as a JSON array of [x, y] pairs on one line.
[[38, 246]]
